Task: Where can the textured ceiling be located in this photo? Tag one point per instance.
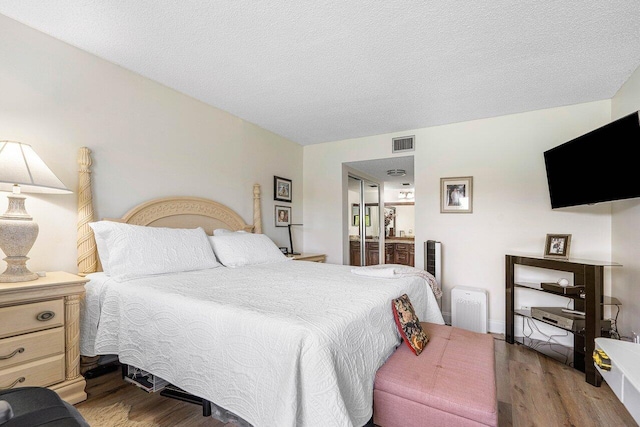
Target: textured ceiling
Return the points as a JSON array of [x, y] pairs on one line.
[[378, 169], [329, 70]]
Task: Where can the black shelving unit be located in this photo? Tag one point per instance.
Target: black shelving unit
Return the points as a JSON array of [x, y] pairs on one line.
[[589, 274]]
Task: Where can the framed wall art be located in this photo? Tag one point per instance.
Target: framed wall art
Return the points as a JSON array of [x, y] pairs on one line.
[[557, 246], [456, 194], [281, 189], [283, 216]]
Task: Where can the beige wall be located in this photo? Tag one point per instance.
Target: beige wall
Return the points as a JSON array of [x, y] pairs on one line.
[[511, 207], [626, 227], [148, 141]]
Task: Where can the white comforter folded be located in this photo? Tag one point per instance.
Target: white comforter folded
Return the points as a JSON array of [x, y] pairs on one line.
[[284, 344], [396, 271]]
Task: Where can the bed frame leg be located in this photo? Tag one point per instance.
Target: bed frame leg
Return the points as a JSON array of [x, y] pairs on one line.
[[206, 408], [179, 394]]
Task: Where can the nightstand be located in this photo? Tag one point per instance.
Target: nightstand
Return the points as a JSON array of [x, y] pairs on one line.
[[40, 333], [309, 257]]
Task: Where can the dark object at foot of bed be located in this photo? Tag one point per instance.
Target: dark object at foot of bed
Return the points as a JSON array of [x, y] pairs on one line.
[[176, 393], [369, 423], [37, 406], [101, 370]]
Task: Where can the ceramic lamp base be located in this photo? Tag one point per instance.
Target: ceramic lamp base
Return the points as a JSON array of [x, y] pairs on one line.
[[18, 232], [17, 270]]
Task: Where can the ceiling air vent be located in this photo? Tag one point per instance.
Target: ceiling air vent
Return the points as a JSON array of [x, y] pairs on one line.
[[404, 143]]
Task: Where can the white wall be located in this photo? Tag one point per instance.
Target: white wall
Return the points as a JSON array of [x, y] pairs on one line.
[[626, 227], [511, 208], [147, 140]]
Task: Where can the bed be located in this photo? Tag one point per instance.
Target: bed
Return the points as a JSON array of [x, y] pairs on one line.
[[286, 343]]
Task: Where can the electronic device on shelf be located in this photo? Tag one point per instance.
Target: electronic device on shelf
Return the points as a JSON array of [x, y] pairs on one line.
[[567, 310], [555, 316], [565, 318], [563, 290]]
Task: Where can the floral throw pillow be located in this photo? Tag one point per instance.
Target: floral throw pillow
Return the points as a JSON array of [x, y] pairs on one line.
[[409, 324]]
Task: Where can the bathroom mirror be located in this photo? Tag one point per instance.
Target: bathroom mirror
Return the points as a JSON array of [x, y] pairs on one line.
[[399, 219]]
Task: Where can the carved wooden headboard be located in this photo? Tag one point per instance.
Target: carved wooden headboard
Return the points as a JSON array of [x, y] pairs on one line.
[[173, 212]]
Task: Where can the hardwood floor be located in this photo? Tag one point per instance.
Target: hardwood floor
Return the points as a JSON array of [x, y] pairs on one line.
[[147, 409], [533, 390]]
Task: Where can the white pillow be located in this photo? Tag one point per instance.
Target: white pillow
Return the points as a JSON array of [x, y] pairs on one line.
[[133, 251], [225, 232], [103, 249], [240, 249]]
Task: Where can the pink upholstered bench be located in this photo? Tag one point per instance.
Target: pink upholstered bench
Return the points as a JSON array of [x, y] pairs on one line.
[[451, 383]]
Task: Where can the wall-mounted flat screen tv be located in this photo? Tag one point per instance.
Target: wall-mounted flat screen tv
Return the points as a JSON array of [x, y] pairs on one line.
[[600, 166]]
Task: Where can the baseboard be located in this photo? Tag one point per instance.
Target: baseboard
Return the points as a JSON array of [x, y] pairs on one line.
[[447, 317], [494, 326]]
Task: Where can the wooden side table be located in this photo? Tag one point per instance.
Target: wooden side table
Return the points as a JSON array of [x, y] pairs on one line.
[[309, 257], [40, 334]]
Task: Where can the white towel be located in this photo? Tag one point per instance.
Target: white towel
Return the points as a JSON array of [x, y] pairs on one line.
[[395, 271], [387, 272]]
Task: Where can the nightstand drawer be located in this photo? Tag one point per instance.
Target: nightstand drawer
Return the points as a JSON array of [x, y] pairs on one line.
[[41, 373], [36, 345], [20, 319]]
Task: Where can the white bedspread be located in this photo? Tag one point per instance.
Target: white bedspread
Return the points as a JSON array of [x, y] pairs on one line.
[[284, 344]]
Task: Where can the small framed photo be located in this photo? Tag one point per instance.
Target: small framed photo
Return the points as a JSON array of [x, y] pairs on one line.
[[456, 194], [283, 216], [284, 250], [557, 246], [281, 189]]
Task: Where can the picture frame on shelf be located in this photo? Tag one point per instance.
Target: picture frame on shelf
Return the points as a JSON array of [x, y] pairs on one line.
[[557, 246], [283, 216], [456, 194], [282, 189]]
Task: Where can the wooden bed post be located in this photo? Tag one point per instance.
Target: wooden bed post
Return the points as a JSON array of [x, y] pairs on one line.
[[87, 252], [257, 213]]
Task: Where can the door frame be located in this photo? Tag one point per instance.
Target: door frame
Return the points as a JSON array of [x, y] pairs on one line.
[[346, 214]]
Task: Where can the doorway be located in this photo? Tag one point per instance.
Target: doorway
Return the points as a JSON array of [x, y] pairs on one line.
[[389, 218]]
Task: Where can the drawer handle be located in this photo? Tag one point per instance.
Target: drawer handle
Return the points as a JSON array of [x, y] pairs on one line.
[[9, 356], [13, 384], [45, 315]]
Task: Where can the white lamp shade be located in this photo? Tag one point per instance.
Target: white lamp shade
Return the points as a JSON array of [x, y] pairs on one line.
[[19, 164]]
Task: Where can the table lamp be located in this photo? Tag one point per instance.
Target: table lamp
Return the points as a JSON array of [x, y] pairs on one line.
[[291, 240], [21, 170]]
